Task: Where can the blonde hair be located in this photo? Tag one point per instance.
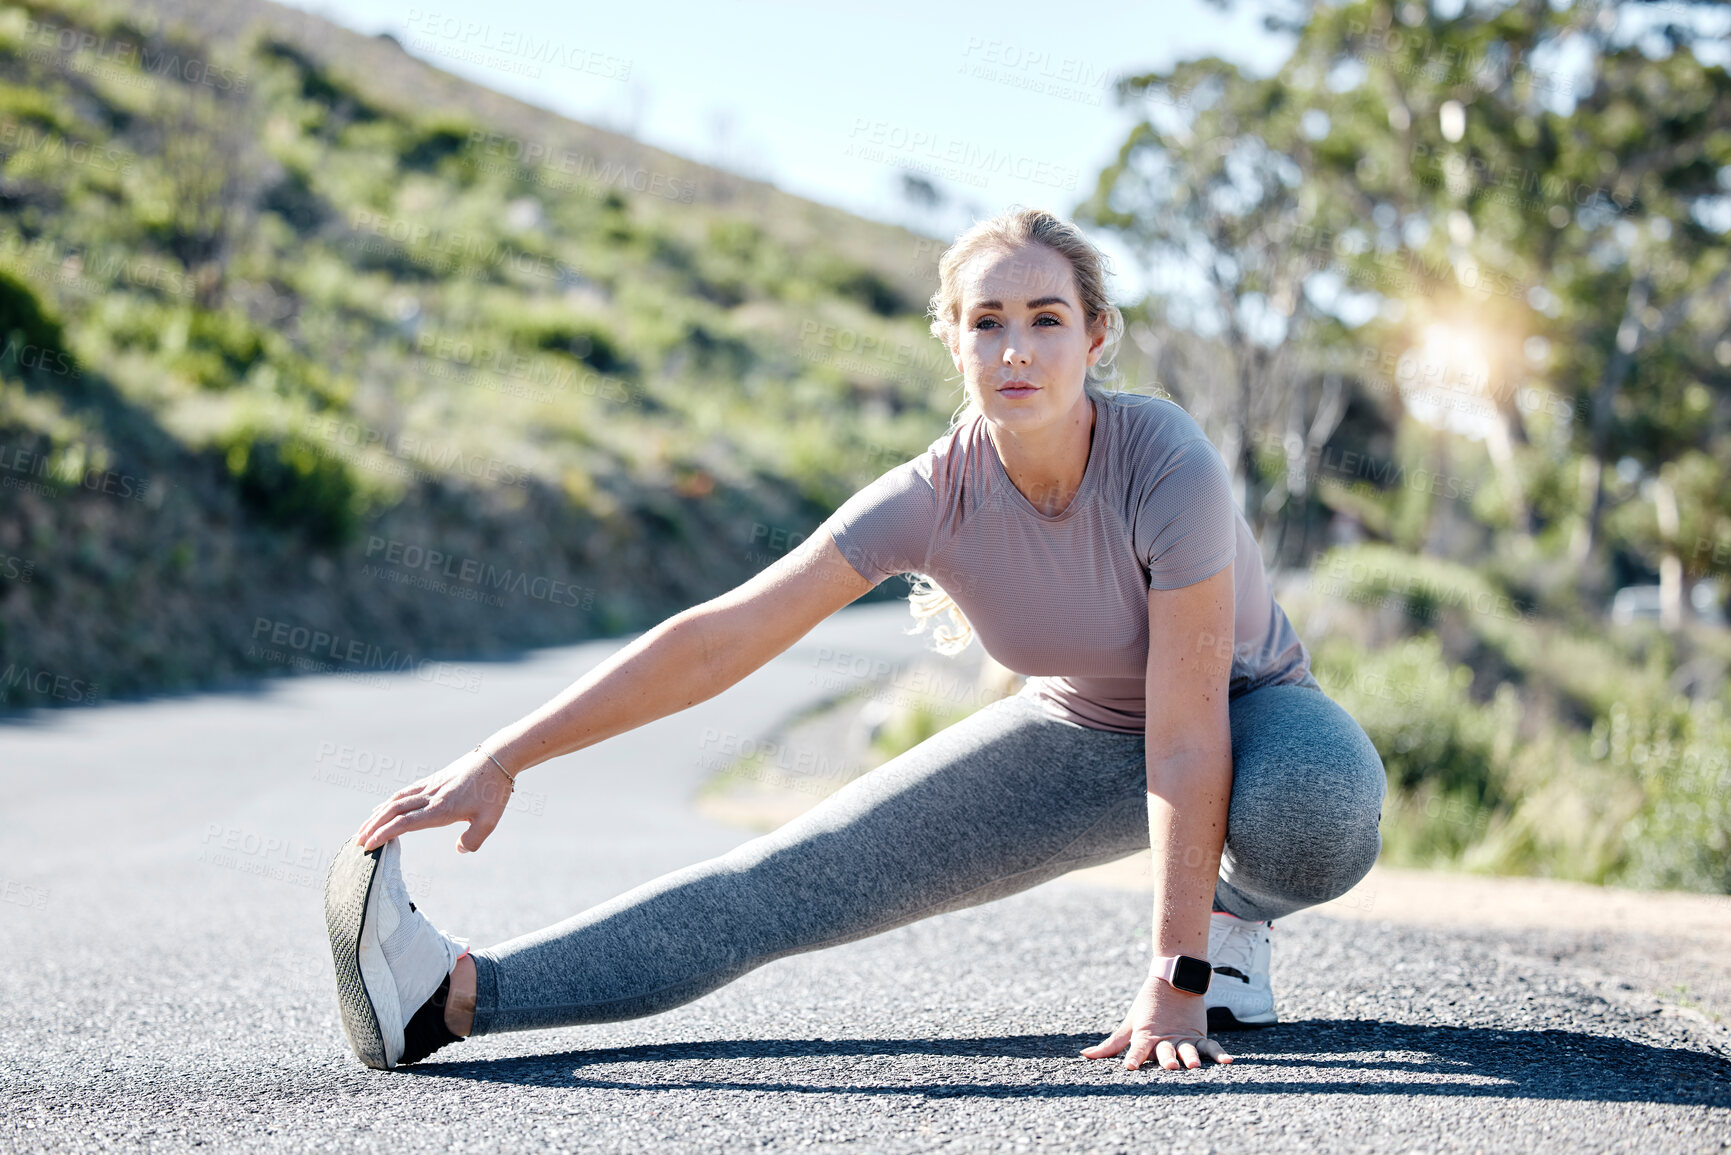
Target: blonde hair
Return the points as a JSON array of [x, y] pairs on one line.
[[1007, 231]]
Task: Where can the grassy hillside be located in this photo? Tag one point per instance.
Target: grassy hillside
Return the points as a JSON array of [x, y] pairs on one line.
[[305, 339]]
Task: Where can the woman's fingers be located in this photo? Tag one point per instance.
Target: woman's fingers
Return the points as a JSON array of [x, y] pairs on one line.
[[1108, 1046], [439, 800], [406, 795], [387, 812], [1141, 1046], [1171, 1054], [402, 817], [470, 840], [414, 790], [421, 819]]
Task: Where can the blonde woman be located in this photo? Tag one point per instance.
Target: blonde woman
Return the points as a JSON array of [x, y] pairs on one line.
[[1090, 540]]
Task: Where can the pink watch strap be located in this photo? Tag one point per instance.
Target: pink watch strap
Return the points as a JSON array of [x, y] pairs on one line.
[[1168, 965]]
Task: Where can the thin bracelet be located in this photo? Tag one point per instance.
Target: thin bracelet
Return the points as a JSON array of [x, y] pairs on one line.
[[508, 776]]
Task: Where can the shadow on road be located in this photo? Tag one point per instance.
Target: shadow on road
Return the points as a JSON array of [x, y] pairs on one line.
[[1350, 1056]]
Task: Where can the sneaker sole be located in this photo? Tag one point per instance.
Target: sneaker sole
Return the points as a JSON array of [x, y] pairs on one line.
[[1222, 1019], [348, 886]]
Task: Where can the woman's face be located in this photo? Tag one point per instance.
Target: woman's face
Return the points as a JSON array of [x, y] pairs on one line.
[[1023, 345]]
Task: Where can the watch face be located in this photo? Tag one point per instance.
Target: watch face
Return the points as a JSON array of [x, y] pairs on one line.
[[1192, 974]]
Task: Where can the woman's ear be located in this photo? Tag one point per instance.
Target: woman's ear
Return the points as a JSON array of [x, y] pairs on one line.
[[1096, 339]]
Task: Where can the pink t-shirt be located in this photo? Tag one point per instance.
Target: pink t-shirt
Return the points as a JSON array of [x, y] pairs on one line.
[[1064, 599]]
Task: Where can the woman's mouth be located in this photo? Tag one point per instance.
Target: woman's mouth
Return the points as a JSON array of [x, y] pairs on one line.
[[1017, 389]]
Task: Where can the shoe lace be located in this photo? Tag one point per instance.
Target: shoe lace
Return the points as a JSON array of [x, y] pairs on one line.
[[398, 889], [1236, 951]]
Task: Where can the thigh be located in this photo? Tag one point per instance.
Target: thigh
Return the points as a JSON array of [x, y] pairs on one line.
[[995, 803], [1000, 801], [1307, 793]]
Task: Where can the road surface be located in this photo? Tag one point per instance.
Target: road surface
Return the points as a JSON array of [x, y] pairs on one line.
[[168, 983]]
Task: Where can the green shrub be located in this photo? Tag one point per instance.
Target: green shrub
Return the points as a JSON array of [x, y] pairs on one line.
[[317, 85], [912, 724], [219, 347], [866, 286], [291, 483], [24, 320], [1680, 753], [1425, 586], [589, 339], [1624, 782], [737, 239], [1447, 757], [294, 199], [429, 144]]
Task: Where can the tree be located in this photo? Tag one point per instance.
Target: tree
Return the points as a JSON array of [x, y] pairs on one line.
[[1206, 191], [1434, 191]]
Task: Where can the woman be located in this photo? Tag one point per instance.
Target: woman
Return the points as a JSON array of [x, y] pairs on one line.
[[1091, 539]]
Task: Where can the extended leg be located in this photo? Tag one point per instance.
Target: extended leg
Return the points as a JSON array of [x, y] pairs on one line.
[[998, 802]]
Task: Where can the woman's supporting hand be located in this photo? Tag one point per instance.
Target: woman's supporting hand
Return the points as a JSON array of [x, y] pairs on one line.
[[1165, 1023], [471, 790]]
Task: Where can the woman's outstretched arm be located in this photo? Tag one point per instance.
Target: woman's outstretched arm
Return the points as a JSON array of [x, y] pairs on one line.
[[689, 658]]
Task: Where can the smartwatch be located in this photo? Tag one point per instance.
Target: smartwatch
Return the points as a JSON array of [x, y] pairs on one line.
[[1185, 972]]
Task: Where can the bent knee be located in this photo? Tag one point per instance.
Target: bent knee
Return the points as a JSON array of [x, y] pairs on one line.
[[1309, 859]]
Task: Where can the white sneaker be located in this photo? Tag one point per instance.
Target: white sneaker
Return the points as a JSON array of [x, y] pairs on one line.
[[389, 959], [1239, 994]]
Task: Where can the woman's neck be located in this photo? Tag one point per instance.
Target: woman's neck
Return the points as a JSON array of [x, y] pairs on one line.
[[1047, 463]]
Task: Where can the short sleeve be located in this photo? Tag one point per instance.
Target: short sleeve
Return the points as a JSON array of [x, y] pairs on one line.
[[886, 528], [1187, 524]]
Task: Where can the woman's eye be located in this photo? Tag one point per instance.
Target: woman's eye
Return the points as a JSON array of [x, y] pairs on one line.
[[1047, 317], [985, 323]]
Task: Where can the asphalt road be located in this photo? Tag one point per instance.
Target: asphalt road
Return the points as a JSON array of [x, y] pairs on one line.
[[168, 983]]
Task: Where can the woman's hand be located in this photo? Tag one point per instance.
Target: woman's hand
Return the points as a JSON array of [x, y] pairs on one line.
[[1164, 1022], [471, 789]]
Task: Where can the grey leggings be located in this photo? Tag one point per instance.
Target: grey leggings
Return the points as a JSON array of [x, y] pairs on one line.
[[1005, 799]]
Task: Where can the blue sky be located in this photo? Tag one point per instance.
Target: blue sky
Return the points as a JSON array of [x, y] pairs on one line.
[[996, 105]]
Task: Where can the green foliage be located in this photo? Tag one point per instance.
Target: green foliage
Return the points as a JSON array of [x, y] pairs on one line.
[[298, 238], [1417, 709], [217, 348], [868, 287], [912, 724], [1447, 757], [290, 482], [293, 199], [24, 320], [1618, 779], [426, 148], [339, 102], [1680, 753], [589, 339], [1422, 587], [514, 324]]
